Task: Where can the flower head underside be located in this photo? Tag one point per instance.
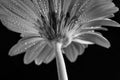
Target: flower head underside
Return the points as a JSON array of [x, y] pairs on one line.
[[43, 23], [50, 28]]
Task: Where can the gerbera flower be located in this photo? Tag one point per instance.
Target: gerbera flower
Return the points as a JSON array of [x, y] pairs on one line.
[[50, 28]]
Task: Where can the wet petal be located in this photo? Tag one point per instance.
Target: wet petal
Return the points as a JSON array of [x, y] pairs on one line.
[[19, 25], [23, 45], [102, 22], [102, 9], [18, 7], [16, 22], [97, 9], [95, 38], [33, 52]]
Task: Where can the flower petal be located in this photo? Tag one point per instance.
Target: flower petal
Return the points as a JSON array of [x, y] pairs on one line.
[[43, 54], [95, 38], [23, 45], [19, 25], [102, 22], [71, 52], [101, 8], [33, 52], [50, 57], [16, 22], [80, 41], [66, 4], [20, 8], [80, 48], [96, 9]]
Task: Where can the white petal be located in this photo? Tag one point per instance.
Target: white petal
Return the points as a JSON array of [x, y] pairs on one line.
[[82, 41], [96, 38]]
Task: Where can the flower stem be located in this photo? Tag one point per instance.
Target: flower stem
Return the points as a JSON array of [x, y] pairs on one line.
[[61, 68]]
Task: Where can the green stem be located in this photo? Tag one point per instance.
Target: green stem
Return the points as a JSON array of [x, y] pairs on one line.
[[61, 68]]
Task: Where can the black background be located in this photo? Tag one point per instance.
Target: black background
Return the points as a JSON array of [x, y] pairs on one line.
[[96, 62]]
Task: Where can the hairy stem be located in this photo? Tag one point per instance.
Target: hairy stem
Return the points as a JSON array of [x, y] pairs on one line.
[[61, 68]]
